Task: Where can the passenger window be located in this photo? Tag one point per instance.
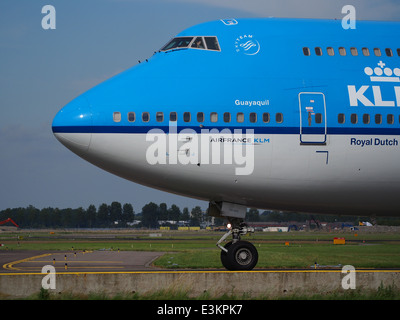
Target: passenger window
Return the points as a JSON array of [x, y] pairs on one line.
[[265, 117], [240, 117], [378, 118], [342, 51], [212, 43], [145, 117], [390, 119], [365, 52], [389, 52], [318, 118], [354, 51], [377, 52], [354, 118], [306, 51], [198, 43], [117, 116], [330, 51], [341, 118], [279, 117], [214, 117], [172, 116], [253, 117], [131, 117], [227, 117], [186, 116], [160, 117], [366, 118], [398, 52], [200, 117], [318, 51]]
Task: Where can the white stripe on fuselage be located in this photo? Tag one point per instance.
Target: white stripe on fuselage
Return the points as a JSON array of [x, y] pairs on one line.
[[348, 175]]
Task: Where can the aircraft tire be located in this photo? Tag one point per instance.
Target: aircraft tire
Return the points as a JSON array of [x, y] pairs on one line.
[[224, 257], [241, 255]]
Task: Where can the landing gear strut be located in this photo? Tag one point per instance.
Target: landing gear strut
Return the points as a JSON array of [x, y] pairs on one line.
[[238, 254]]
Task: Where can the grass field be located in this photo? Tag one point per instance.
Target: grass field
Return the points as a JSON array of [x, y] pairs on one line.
[[198, 250]]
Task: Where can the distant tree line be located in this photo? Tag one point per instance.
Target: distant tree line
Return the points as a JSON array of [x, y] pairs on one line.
[[115, 215], [151, 215], [104, 216], [254, 215]]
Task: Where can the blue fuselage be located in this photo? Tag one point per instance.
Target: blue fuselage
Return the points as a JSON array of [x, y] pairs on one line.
[[323, 103]]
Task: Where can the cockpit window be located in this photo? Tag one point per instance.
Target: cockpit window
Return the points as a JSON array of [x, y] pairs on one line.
[[180, 42], [205, 43], [212, 43], [198, 43]]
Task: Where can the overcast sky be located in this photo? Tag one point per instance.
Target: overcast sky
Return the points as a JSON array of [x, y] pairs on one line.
[[42, 70]]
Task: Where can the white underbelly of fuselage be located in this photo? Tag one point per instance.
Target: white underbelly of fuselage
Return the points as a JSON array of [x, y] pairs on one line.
[[349, 175]]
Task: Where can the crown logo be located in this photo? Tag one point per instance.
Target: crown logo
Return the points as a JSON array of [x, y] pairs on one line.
[[381, 74]]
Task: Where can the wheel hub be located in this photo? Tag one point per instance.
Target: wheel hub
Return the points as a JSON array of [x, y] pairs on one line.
[[244, 256]]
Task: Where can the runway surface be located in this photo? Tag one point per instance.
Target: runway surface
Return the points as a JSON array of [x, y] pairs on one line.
[[98, 261], [113, 272], [79, 261]]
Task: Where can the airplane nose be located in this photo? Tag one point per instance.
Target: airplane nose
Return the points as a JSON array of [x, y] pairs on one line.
[[72, 125]]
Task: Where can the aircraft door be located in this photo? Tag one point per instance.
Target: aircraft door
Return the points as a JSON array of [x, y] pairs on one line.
[[312, 118]]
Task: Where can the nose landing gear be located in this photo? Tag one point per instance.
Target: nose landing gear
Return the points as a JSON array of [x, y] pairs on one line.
[[238, 254]]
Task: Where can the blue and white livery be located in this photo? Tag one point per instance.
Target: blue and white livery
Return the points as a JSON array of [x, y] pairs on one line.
[[286, 114]]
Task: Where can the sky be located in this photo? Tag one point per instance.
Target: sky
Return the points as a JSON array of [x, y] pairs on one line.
[[42, 70]]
